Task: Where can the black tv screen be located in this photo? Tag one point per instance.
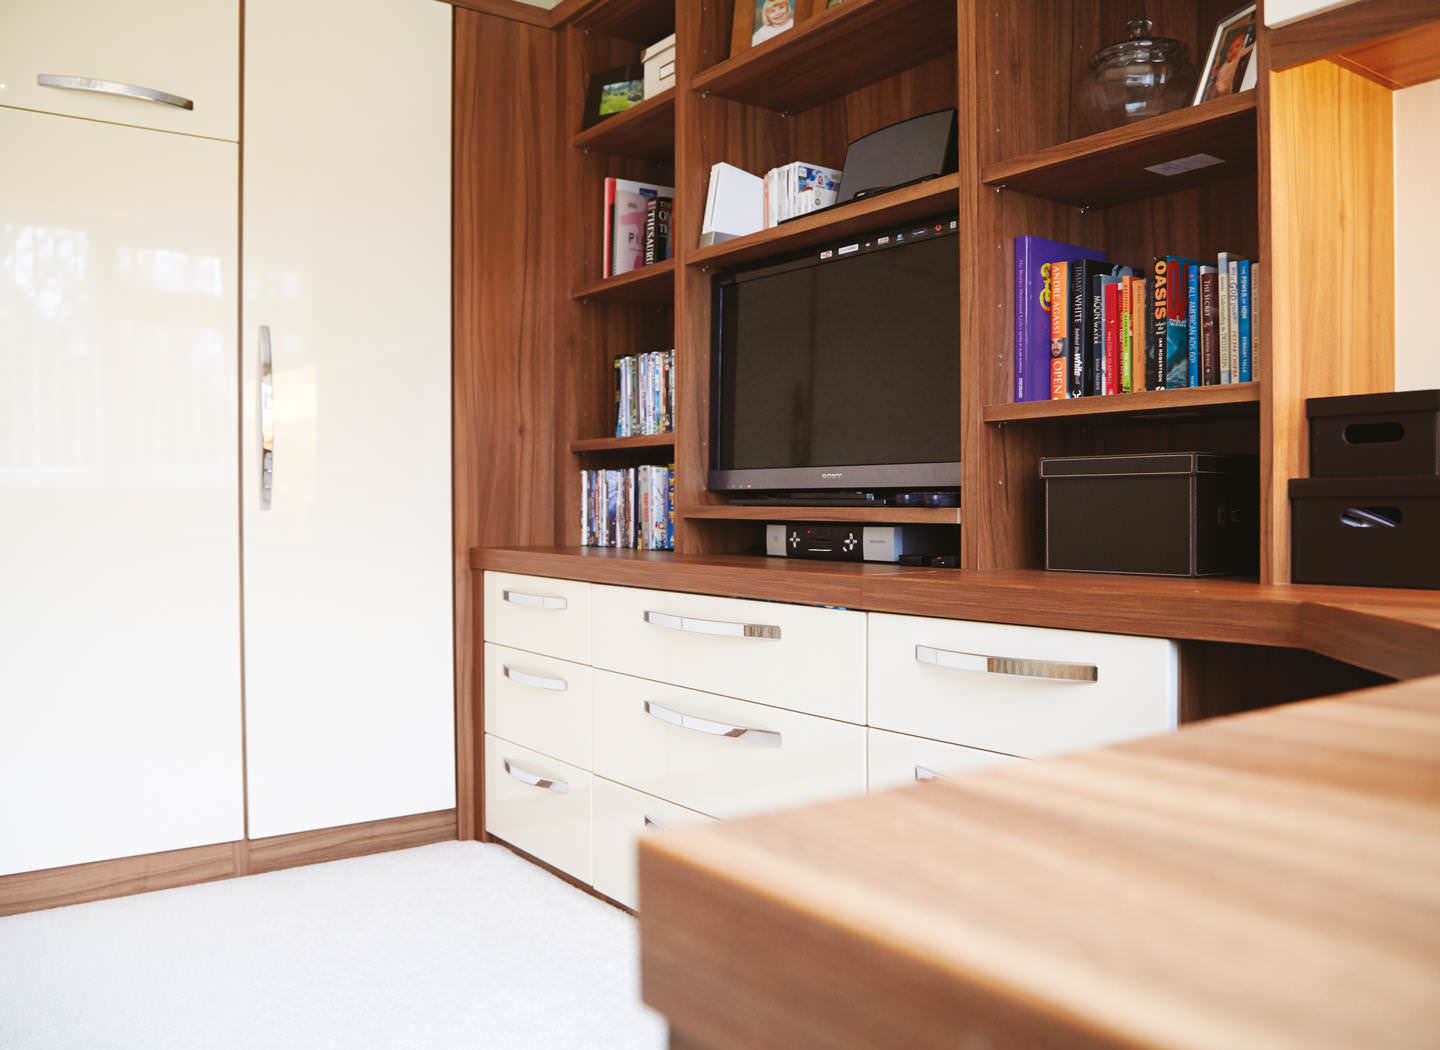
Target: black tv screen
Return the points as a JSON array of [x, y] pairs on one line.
[[841, 369]]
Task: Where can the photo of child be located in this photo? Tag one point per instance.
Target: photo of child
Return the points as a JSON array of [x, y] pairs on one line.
[[772, 17], [1230, 67]]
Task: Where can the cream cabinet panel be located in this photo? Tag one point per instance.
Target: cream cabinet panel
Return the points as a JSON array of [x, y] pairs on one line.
[[147, 54], [538, 804], [540, 702], [717, 755], [896, 759], [348, 577], [1023, 691], [538, 614], [620, 817], [792, 656], [120, 721]]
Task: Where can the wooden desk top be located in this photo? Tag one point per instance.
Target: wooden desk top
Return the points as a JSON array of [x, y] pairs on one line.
[[1267, 880], [1393, 632]]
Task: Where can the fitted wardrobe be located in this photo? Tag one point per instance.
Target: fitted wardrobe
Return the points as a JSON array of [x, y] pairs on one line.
[[225, 500]]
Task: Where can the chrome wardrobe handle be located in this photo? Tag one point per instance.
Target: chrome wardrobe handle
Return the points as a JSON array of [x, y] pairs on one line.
[[925, 773], [720, 628], [533, 601], [534, 681], [1006, 665], [267, 420], [111, 87], [545, 783], [763, 737]]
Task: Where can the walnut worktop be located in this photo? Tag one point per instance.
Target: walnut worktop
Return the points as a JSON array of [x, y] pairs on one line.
[[1393, 632], [1267, 880]]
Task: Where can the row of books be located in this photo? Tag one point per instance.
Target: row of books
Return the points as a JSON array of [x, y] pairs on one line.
[[1086, 327], [632, 508], [637, 225], [645, 393], [739, 202]]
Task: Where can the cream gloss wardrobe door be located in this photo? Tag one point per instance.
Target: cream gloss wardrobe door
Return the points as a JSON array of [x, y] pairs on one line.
[[349, 695], [139, 62], [119, 621]]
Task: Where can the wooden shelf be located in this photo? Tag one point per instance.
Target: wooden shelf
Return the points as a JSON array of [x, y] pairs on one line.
[[612, 444], [1110, 167], [641, 22], [912, 202], [887, 515], [833, 53], [1394, 42], [646, 130], [649, 284], [1207, 400]]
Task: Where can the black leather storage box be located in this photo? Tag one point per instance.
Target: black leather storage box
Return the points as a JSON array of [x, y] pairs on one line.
[[1164, 514], [1369, 532], [1375, 435]]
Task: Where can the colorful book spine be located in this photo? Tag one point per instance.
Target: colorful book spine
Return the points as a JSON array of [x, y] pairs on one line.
[[1223, 314], [1231, 307], [1257, 345], [1177, 343], [1192, 324], [1246, 315], [1127, 346], [1138, 289], [1209, 326], [1156, 324], [1034, 258], [1112, 335], [1059, 331]]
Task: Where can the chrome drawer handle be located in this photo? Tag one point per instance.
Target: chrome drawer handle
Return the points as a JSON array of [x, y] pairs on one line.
[[651, 822], [763, 737], [1006, 665], [557, 786], [721, 628], [534, 681], [925, 773], [534, 601], [111, 87]]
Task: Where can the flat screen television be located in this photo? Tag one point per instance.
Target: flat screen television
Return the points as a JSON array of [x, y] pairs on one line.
[[840, 369]]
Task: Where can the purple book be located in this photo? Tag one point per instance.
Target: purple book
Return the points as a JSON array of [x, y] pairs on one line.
[[1033, 256]]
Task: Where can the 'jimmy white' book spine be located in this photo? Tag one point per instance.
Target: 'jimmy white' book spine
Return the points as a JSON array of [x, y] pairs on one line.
[[1079, 301], [1095, 339], [1223, 313], [1059, 329], [1209, 326], [1192, 324], [1246, 316]]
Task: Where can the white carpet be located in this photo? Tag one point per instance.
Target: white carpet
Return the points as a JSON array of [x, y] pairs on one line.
[[451, 945]]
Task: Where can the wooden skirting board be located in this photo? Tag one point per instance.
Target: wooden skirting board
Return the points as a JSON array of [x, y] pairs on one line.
[[78, 883]]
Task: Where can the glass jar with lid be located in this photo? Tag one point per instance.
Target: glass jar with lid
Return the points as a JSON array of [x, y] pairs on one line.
[[1141, 77]]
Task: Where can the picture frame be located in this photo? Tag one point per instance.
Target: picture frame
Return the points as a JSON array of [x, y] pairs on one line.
[[754, 24], [613, 91], [1232, 64]]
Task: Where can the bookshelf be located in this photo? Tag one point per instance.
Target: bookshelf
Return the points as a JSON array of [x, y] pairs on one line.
[[652, 284], [1241, 397], [646, 130], [625, 444]]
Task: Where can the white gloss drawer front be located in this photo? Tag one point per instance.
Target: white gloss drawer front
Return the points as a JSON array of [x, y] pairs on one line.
[[539, 615], [621, 816], [538, 804], [793, 656], [720, 756], [896, 759], [1023, 691], [540, 702]]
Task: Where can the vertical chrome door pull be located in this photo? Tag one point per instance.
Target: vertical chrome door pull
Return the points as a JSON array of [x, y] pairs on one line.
[[763, 737], [1006, 665], [545, 783], [267, 420], [112, 87]]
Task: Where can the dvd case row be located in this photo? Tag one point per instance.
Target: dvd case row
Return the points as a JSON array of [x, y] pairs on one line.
[[632, 508], [645, 393]]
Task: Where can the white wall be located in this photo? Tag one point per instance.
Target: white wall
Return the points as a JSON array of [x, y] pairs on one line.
[[1278, 12], [1417, 235]]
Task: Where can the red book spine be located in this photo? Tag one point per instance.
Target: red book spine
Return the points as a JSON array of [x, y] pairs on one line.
[[1112, 338], [609, 225]]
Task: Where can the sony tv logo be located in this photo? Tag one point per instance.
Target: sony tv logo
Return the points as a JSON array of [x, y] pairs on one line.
[[832, 474]]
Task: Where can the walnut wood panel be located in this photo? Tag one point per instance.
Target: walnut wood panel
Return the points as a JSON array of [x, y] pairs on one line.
[[624, 444], [641, 22], [1211, 887], [78, 883], [1230, 396], [1218, 679], [833, 53], [887, 515], [1109, 167], [1328, 301], [646, 130], [653, 284], [511, 9], [506, 302], [1391, 632], [1393, 39]]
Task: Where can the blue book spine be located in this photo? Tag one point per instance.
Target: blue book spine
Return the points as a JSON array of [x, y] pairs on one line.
[[1177, 345], [1245, 376], [1192, 322]]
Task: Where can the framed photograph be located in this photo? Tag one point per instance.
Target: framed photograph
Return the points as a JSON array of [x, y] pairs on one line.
[[1230, 68], [613, 91], [757, 21]]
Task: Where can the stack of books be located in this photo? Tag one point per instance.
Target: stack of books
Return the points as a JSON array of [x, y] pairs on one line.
[[637, 225], [645, 393], [633, 508], [1085, 327]]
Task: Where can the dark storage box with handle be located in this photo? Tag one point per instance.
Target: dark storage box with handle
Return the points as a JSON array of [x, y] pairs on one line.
[[1369, 532], [1165, 514], [1375, 435]]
